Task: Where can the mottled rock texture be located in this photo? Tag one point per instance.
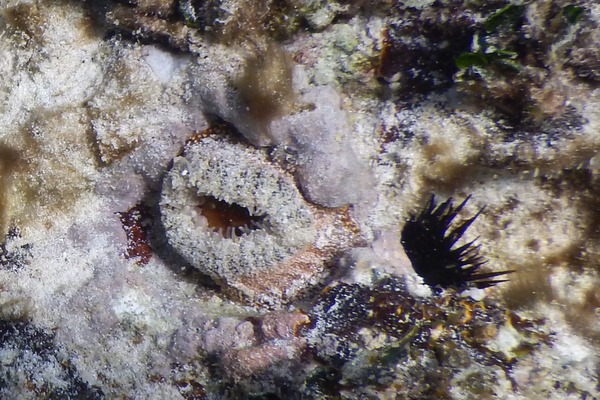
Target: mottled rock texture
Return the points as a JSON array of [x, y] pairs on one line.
[[355, 113]]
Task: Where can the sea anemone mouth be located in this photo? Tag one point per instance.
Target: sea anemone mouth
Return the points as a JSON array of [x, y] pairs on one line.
[[230, 220]]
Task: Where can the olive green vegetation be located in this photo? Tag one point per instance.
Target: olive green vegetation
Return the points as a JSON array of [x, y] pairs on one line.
[[573, 13], [507, 18], [518, 57]]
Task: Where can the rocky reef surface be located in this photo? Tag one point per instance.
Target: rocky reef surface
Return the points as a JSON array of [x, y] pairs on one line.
[[206, 199]]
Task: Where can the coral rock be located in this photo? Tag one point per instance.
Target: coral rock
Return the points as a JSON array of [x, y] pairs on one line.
[[282, 325]]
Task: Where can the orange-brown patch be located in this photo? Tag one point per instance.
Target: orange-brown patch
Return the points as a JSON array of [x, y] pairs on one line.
[[135, 223], [227, 218]]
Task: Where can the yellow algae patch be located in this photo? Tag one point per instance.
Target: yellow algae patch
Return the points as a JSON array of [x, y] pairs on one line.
[[45, 166]]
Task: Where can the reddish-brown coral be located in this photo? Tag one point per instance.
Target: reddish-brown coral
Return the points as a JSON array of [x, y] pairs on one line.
[[135, 223]]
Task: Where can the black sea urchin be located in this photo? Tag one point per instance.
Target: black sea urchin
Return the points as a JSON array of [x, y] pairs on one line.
[[429, 243]]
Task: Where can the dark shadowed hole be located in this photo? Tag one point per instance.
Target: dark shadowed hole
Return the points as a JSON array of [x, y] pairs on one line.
[[228, 219]]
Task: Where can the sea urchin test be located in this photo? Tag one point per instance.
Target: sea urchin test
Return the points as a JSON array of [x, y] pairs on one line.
[[240, 219]]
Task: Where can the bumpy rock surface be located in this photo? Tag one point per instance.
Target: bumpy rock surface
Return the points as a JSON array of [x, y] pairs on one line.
[[200, 278]]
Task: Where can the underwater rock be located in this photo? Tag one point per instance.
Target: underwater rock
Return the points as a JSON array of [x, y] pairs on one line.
[[382, 336], [92, 119], [277, 344], [271, 103], [328, 170], [32, 367], [241, 220], [249, 88]]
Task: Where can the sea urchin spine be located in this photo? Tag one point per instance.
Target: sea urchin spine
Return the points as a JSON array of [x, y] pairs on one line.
[[428, 240]]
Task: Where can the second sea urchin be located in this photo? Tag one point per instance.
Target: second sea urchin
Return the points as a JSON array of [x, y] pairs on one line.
[[429, 242]]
